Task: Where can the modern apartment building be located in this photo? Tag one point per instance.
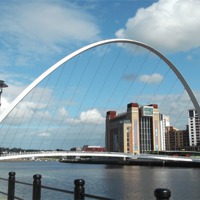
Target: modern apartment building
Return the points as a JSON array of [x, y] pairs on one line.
[[135, 131], [194, 128], [164, 122], [176, 139]]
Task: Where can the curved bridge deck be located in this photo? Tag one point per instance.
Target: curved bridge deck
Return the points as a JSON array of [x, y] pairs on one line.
[[37, 154]]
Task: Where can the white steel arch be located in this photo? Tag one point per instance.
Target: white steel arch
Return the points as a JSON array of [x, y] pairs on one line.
[[83, 49]]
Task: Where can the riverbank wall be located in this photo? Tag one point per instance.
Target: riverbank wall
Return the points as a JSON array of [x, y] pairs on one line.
[[138, 162]]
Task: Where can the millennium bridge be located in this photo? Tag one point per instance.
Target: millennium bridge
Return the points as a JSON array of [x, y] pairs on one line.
[[46, 115], [82, 154]]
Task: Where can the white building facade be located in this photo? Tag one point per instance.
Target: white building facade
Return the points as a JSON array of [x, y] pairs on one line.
[[194, 127], [164, 122]]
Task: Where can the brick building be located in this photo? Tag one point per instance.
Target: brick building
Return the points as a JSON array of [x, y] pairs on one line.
[[135, 131]]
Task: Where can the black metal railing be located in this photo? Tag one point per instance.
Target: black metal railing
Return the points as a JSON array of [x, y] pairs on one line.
[[78, 193]]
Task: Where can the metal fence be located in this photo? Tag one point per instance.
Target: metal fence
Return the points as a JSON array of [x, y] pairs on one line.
[[78, 193]]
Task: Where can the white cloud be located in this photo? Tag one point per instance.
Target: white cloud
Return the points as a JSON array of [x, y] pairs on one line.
[[32, 28], [44, 134], [154, 78], [62, 112], [27, 107], [92, 116], [169, 25], [15, 84], [54, 22], [48, 21], [4, 103]]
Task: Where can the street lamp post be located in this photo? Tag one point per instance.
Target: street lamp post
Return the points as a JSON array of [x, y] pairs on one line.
[[2, 85]]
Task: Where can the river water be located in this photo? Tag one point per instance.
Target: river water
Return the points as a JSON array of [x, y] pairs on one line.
[[116, 182]]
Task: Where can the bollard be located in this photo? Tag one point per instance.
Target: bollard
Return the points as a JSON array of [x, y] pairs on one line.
[[162, 194], [37, 187], [11, 186], [79, 189]]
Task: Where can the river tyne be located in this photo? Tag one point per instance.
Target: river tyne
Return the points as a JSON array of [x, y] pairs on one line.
[[116, 182]]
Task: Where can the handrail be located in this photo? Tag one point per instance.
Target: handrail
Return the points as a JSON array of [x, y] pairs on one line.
[[78, 189]]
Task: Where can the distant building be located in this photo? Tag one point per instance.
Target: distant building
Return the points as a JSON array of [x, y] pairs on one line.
[[93, 148], [176, 139], [135, 131], [164, 122], [89, 148], [76, 149], [194, 128]]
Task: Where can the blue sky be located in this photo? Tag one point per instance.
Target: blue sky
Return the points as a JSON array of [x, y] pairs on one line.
[[34, 35]]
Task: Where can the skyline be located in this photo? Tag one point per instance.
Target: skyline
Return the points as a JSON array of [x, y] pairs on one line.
[[37, 34]]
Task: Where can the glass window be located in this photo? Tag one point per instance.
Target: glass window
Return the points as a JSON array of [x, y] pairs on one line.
[[191, 113]]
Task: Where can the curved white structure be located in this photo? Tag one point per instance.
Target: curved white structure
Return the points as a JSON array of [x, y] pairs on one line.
[[124, 156], [64, 153], [81, 50]]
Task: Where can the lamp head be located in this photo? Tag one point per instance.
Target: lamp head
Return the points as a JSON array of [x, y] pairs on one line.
[[2, 84]]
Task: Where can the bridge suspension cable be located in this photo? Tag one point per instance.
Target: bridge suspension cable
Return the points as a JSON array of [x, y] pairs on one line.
[[67, 104]]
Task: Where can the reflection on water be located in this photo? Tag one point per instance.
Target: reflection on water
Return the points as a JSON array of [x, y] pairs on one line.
[[117, 182]]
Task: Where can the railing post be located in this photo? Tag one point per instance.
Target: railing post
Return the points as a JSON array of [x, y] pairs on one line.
[[37, 187], [11, 186], [79, 189], [162, 194]]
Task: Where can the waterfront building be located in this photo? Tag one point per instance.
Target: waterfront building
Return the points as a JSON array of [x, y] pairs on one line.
[[89, 148], [164, 122], [76, 149], [176, 139], [135, 131], [93, 148], [194, 128]]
